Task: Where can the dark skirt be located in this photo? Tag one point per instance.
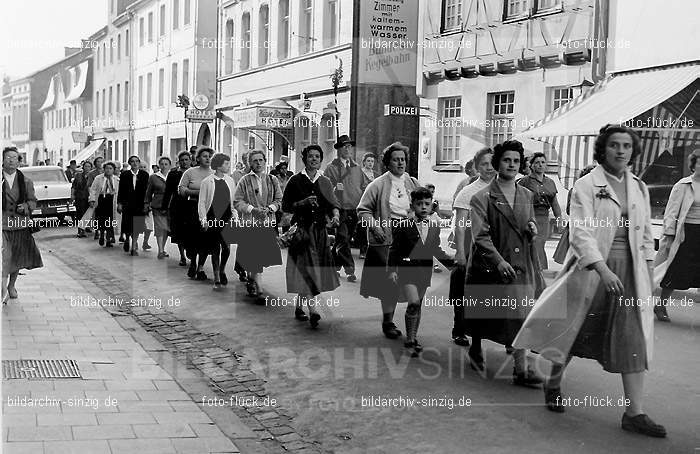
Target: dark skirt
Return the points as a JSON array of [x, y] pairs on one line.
[[310, 268], [81, 206], [258, 248], [104, 212], [160, 222], [684, 272], [176, 211], [375, 279], [541, 238], [190, 229], [19, 251], [133, 220], [612, 332]]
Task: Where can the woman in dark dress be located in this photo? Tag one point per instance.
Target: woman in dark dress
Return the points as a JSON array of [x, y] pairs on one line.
[[502, 270], [217, 215], [80, 191], [130, 197], [103, 198], [310, 269], [176, 204]]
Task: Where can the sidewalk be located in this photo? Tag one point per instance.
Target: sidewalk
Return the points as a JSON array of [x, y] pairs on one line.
[[124, 402]]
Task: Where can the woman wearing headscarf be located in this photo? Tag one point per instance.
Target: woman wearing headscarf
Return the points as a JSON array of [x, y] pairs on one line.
[[217, 215], [19, 250], [310, 268], [385, 201], [258, 197], [155, 193], [103, 199], [176, 204]]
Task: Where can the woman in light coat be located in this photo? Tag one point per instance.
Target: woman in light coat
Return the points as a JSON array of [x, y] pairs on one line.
[[103, 199], [677, 259], [600, 307], [217, 216]]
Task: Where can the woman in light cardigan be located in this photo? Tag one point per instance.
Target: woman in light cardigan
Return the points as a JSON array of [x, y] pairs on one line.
[[216, 213], [386, 199], [103, 198], [258, 197]]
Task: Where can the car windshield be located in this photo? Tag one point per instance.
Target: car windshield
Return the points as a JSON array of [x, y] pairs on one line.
[[45, 175]]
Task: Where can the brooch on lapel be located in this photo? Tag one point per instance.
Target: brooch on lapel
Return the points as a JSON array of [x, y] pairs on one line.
[[603, 193]]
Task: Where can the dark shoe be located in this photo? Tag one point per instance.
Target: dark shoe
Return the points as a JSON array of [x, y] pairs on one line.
[[109, 244], [661, 314], [192, 270], [527, 379], [110, 240], [476, 361], [183, 262], [642, 424], [390, 330], [134, 253], [101, 241], [146, 246], [553, 400], [415, 348], [461, 340], [351, 278], [509, 350], [126, 245], [251, 288], [300, 315], [362, 255], [162, 255], [217, 285], [88, 230], [260, 299], [223, 278], [242, 277], [81, 233], [121, 238], [313, 320], [97, 235], [200, 276]]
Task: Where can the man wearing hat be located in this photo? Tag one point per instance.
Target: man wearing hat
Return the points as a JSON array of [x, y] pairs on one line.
[[346, 176]]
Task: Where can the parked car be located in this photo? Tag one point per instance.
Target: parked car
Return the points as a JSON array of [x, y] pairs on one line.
[[53, 192]]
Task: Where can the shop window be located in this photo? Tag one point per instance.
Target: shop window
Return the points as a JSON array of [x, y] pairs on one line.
[[449, 134], [501, 117]]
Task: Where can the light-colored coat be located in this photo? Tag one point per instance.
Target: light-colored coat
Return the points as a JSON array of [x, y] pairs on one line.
[[98, 185], [557, 316], [206, 196], [374, 206], [679, 202]]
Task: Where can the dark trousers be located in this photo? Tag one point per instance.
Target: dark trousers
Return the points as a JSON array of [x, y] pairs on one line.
[[342, 257], [457, 279]]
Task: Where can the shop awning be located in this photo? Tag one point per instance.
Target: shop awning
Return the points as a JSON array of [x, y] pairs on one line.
[[88, 151], [616, 99], [79, 88], [50, 96]]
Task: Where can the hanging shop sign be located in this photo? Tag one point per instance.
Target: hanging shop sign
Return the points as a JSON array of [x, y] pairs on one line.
[[200, 116], [263, 117]]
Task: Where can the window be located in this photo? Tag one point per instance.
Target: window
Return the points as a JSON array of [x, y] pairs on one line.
[[149, 91], [118, 99], [501, 117], [111, 6], [173, 84], [126, 43], [126, 95], [140, 92], [104, 101], [186, 15], [449, 134], [451, 15], [283, 33], [547, 4], [110, 101], [560, 96], [104, 54], [98, 57], [142, 32], [185, 77], [228, 48], [306, 27], [245, 42], [264, 35], [161, 87], [161, 29], [330, 29], [111, 50], [515, 8], [125, 150], [97, 103], [150, 27], [119, 47], [176, 14], [116, 150]]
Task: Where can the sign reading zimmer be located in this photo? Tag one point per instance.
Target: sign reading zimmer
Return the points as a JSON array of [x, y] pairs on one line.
[[388, 42]]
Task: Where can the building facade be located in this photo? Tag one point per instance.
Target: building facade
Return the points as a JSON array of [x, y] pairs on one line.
[[492, 68], [168, 59], [276, 59]]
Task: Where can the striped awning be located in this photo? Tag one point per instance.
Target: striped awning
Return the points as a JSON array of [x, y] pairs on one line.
[[619, 98]]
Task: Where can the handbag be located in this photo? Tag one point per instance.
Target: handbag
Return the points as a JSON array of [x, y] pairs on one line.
[[296, 238]]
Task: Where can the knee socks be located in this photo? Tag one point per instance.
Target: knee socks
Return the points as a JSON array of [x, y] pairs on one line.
[[412, 319]]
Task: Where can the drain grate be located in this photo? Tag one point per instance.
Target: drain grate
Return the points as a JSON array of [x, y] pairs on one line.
[[40, 368]]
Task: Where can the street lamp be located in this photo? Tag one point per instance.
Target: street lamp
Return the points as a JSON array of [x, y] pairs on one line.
[[184, 102]]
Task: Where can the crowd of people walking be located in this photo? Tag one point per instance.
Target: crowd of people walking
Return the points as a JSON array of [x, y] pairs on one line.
[[500, 225]]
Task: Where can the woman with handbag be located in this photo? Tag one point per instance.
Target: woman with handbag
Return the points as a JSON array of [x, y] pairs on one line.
[[19, 250], [503, 273], [310, 268], [258, 197], [104, 194], [680, 246]]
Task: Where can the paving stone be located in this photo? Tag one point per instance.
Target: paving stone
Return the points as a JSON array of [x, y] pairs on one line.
[[289, 437], [67, 419], [164, 395], [182, 417], [39, 433], [77, 447], [164, 430], [142, 446], [205, 445], [103, 432], [206, 430], [32, 447], [125, 418]]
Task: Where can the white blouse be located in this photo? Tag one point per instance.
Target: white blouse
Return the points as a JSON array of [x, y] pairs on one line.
[[399, 200]]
